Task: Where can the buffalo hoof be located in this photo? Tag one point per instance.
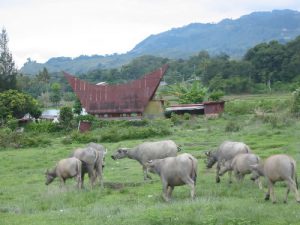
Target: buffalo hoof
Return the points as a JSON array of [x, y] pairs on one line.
[[285, 202], [218, 180], [267, 197], [298, 201], [274, 202]]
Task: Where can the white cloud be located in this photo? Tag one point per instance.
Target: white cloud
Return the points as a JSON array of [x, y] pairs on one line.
[[51, 28]]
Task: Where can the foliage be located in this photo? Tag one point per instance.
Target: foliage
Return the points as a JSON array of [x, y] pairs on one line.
[[77, 108], [295, 107], [66, 117], [55, 95], [216, 95], [43, 127], [17, 104], [15, 139], [8, 71], [188, 93], [122, 130]]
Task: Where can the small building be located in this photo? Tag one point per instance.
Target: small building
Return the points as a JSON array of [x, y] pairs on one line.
[[133, 99], [205, 108]]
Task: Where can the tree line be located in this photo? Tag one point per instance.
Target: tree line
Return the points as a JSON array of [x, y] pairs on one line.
[[265, 67]]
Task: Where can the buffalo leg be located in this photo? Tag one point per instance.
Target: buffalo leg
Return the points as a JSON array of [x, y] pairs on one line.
[[217, 174], [272, 193], [91, 174], [146, 175], [169, 191], [267, 196], [192, 184], [230, 176], [99, 172], [165, 191], [79, 181], [292, 185], [258, 182]]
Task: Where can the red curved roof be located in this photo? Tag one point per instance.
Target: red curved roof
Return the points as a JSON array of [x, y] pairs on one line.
[[123, 98]]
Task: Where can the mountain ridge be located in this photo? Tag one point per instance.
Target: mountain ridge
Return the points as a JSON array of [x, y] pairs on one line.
[[231, 36]]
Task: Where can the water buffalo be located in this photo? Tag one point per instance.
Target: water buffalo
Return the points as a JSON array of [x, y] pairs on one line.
[[279, 167], [241, 165], [226, 151], [175, 171], [65, 168], [92, 157], [148, 151]]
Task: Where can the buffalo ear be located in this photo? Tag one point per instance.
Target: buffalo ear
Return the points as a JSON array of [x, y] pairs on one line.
[[47, 171], [207, 153]]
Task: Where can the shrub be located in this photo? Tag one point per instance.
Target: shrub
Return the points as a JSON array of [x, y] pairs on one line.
[[12, 123], [186, 116], [232, 127], [43, 127], [66, 117], [9, 138], [295, 106], [175, 119], [239, 107], [216, 95]]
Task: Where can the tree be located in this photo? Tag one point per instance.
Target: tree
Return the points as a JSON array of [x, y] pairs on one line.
[[66, 116], [16, 104], [8, 72], [55, 95], [77, 107], [189, 93]]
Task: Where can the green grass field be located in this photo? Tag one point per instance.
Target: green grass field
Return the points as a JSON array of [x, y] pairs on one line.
[[127, 199]]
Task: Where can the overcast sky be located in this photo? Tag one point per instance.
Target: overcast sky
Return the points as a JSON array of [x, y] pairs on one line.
[[41, 29]]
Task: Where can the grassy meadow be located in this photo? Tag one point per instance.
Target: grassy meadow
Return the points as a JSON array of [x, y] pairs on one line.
[[127, 199]]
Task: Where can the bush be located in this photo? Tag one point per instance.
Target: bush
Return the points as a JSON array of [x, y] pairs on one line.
[[43, 127], [216, 95], [239, 107], [82, 137], [122, 130], [295, 106], [66, 117], [9, 138], [232, 127], [186, 116]]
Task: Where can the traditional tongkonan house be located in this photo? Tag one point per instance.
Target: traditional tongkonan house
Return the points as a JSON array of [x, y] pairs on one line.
[[133, 99]]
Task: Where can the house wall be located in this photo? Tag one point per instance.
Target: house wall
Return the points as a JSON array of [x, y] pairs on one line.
[[154, 109]]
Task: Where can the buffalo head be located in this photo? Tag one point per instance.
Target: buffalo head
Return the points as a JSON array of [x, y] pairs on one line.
[[49, 177], [120, 154], [211, 159]]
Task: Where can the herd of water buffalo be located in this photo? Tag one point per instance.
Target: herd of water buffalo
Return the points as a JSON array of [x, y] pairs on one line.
[[175, 170]]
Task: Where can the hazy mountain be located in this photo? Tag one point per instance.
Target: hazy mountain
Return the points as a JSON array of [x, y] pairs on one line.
[[232, 37]]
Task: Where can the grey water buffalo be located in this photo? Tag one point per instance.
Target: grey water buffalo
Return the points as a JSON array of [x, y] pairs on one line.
[[279, 167], [175, 171], [241, 165], [148, 151], [225, 152], [65, 168], [92, 157]]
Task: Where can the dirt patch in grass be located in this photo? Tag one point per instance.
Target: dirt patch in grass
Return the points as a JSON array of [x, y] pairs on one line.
[[119, 186]]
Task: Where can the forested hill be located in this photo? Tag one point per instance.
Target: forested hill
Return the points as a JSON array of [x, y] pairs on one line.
[[233, 37]]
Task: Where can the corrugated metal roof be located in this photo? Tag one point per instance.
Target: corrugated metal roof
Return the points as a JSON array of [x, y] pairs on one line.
[[122, 98]]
